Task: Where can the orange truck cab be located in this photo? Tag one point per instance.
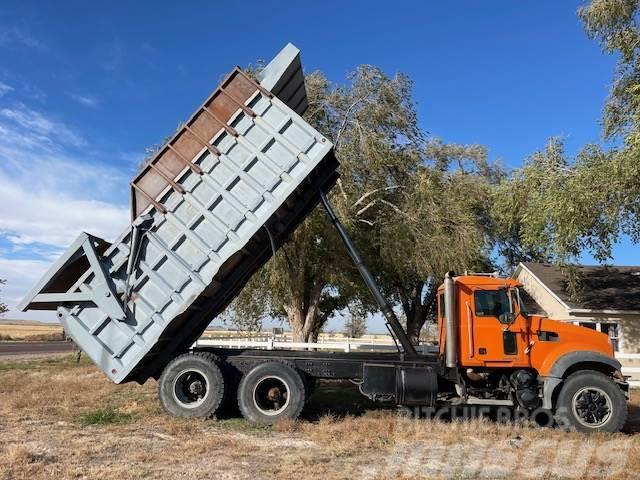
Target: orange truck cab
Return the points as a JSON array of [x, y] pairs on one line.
[[500, 351]]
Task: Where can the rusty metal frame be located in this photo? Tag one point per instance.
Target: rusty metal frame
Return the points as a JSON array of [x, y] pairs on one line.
[[150, 199]]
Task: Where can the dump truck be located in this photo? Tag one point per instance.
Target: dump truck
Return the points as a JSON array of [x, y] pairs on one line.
[[214, 204]]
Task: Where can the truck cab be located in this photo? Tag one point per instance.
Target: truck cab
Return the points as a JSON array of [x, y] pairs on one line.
[[499, 351]]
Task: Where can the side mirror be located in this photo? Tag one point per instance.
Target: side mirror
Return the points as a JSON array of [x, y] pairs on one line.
[[507, 318]]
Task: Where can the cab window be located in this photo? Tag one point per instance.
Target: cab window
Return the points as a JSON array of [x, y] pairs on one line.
[[491, 303]]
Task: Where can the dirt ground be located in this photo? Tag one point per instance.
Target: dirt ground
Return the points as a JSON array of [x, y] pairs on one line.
[[63, 420]]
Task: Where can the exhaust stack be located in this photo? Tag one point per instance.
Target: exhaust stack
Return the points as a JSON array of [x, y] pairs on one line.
[[451, 354]]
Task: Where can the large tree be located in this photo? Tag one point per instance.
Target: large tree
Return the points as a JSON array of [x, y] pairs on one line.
[[415, 208], [435, 221], [369, 121]]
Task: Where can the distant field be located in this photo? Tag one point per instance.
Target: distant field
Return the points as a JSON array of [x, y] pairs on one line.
[[29, 331]]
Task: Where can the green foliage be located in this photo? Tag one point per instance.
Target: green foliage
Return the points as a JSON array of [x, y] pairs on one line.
[[555, 208], [104, 416], [415, 208], [371, 122], [559, 207], [614, 23]]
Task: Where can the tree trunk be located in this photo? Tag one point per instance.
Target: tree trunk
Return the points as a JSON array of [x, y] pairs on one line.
[[416, 318], [416, 309], [303, 313]]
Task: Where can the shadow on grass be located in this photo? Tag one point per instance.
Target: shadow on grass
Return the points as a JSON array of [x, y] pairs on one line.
[[633, 420], [339, 398]]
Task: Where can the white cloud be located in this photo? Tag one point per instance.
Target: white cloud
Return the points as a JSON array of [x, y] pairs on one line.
[[86, 100], [4, 89], [21, 276], [48, 196], [26, 123], [53, 217]]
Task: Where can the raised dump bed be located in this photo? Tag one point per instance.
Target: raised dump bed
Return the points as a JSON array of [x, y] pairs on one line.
[[207, 212]]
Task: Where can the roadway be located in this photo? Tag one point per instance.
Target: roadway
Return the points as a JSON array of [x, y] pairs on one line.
[[34, 348]]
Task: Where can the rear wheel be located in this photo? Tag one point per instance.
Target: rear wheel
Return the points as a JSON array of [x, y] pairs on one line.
[[271, 392], [590, 401], [191, 385]]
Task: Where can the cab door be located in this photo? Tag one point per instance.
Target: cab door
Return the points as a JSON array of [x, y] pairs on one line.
[[497, 341]]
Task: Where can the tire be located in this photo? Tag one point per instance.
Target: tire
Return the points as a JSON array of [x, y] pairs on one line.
[[191, 385], [229, 406], [271, 392], [590, 401], [310, 385]]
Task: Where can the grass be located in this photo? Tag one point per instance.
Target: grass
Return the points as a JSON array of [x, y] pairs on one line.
[[44, 364], [104, 416], [63, 420]]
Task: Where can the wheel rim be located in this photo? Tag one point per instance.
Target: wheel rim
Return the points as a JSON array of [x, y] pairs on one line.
[[271, 395], [190, 388], [592, 407]]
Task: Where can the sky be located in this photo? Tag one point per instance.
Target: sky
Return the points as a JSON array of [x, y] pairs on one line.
[[85, 87]]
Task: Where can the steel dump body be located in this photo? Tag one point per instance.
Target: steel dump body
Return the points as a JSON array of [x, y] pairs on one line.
[[207, 212]]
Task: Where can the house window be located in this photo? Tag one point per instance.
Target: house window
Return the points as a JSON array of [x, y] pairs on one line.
[[611, 329]]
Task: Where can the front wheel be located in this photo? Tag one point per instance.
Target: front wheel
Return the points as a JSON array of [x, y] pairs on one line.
[[590, 401]]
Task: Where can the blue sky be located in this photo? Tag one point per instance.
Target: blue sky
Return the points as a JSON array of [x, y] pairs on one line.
[[85, 87]]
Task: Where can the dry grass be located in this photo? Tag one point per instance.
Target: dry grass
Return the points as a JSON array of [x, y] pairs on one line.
[[31, 332], [62, 420]]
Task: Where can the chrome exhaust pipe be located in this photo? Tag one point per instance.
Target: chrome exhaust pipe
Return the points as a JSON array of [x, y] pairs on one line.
[[451, 341]]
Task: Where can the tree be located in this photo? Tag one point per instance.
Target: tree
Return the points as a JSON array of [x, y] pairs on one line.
[[438, 221], [311, 277], [415, 208], [614, 23], [3, 306], [355, 325], [554, 208]]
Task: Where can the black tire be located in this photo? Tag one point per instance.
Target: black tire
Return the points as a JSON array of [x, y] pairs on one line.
[[232, 376], [310, 385], [590, 401], [271, 392], [192, 385]]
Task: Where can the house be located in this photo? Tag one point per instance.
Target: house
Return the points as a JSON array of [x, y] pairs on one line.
[[608, 301]]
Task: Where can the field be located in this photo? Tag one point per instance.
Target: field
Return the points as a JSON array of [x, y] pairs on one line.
[[29, 331], [63, 420]]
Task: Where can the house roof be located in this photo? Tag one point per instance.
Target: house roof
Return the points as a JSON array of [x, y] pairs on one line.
[[603, 287]]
